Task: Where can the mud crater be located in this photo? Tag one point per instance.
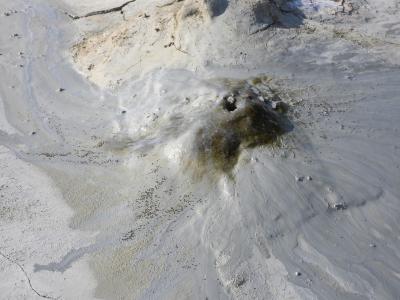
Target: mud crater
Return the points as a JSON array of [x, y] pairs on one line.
[[247, 117]]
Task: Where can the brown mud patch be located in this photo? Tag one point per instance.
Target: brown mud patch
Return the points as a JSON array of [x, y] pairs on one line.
[[247, 117]]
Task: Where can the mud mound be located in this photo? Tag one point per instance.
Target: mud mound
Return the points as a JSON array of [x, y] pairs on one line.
[[190, 33]]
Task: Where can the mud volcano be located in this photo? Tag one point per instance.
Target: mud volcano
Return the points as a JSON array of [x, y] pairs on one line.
[[243, 119]]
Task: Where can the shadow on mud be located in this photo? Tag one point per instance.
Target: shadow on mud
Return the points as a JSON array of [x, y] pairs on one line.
[[217, 7], [281, 14], [291, 16]]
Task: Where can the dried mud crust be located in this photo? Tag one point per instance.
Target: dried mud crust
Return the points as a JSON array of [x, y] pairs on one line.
[[146, 34]]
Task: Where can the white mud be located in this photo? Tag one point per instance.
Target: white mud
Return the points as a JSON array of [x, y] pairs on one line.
[[134, 163]]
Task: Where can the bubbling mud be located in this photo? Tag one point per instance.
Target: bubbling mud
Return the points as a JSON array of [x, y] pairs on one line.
[[243, 119]]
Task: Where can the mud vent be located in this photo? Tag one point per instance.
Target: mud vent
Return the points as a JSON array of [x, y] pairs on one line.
[[229, 103], [243, 119]]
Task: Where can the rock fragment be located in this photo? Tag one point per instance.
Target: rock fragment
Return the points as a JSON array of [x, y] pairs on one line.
[[239, 280], [340, 206]]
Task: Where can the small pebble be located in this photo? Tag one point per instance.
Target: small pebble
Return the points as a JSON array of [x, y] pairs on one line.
[[340, 206], [309, 178], [299, 178], [280, 106], [123, 112], [33, 132], [61, 90], [372, 245], [231, 100], [297, 273], [239, 280]]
